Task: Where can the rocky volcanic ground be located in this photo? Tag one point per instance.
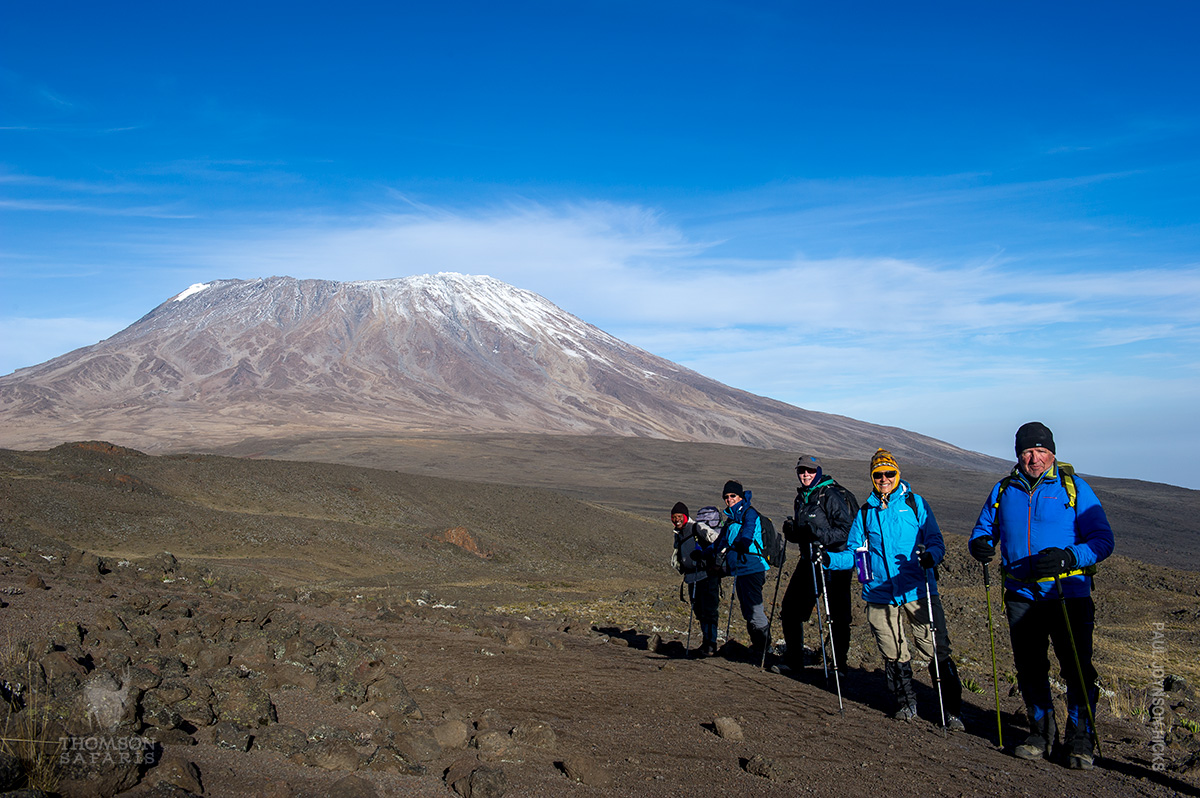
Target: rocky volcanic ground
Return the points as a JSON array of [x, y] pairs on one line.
[[338, 631], [228, 687]]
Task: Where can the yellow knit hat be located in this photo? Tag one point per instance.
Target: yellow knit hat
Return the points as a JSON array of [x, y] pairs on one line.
[[883, 461]]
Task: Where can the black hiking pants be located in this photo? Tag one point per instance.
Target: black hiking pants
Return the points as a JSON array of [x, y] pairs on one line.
[[706, 601], [798, 602], [1036, 625]]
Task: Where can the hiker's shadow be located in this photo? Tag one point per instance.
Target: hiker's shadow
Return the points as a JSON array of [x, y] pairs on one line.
[[632, 637]]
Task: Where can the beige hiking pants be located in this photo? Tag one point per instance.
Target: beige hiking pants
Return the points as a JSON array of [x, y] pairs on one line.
[[886, 622]]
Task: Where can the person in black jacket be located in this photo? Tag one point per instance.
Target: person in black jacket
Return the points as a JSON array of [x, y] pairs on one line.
[[824, 512]]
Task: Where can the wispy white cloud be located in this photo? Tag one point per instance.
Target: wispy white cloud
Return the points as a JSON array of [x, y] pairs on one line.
[[151, 212], [954, 349]]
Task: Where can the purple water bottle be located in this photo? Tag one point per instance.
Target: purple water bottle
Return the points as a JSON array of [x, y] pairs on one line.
[[862, 562]]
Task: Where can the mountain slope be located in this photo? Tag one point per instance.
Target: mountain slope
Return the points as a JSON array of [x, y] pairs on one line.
[[278, 357]]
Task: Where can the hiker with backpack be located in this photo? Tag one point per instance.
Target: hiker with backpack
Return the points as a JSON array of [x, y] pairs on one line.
[[1051, 532], [697, 558], [744, 561], [824, 512], [896, 545]]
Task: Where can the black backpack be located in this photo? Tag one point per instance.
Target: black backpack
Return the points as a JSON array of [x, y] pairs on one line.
[[774, 545], [848, 497]]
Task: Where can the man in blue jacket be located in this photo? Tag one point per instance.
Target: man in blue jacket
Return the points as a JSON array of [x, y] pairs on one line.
[[898, 539], [1051, 531], [745, 562]]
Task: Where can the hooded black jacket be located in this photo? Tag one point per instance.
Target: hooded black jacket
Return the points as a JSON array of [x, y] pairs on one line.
[[823, 514]]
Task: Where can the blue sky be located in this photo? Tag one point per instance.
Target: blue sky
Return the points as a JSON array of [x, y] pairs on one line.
[[952, 218]]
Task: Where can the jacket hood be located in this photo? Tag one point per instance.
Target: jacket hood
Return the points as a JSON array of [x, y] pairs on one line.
[[820, 482], [738, 511]]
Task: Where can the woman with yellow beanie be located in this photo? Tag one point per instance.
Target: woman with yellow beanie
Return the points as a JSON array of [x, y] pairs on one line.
[[895, 543]]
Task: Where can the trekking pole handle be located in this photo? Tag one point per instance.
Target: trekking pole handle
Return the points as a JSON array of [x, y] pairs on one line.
[[987, 576]]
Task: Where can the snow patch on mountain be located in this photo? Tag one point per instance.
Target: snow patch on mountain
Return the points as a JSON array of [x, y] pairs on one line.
[[192, 289]]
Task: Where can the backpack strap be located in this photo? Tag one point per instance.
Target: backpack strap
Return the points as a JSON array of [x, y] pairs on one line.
[[1066, 473]]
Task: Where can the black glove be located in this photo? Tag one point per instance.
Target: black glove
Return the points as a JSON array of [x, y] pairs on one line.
[[983, 548], [787, 528], [741, 545], [1053, 562], [821, 555], [926, 560]]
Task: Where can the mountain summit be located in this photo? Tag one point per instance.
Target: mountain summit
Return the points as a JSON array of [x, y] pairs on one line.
[[281, 357]]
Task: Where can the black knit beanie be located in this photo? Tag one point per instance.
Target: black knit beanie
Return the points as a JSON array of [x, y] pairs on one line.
[[733, 487], [680, 507], [1033, 435]]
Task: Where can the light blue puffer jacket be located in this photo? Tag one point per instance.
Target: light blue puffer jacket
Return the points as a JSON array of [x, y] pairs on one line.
[[892, 535]]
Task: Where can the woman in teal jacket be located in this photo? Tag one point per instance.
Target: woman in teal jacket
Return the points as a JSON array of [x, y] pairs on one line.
[[897, 535], [745, 562]]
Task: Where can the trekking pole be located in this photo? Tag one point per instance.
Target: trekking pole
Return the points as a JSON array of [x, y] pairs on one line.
[[812, 551], [987, 592], [937, 669], [687, 648], [1087, 693], [837, 678], [771, 618]]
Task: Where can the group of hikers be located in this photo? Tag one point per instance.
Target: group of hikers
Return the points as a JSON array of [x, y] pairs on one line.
[[1043, 520]]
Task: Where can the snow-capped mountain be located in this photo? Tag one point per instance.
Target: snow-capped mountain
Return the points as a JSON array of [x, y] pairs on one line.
[[280, 357]]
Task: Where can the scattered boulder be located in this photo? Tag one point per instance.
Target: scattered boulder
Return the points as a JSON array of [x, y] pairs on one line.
[[452, 734], [230, 735], [177, 770], [333, 754], [253, 653], [470, 778], [245, 703], [100, 765], [417, 745], [765, 767], [728, 729], [291, 674], [196, 710], [492, 744], [106, 702], [585, 770], [535, 735], [57, 664], [285, 739], [157, 712], [517, 638], [388, 760], [166, 562]]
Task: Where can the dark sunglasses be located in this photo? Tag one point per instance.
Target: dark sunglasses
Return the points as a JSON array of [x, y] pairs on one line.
[[803, 470], [884, 475], [730, 496]]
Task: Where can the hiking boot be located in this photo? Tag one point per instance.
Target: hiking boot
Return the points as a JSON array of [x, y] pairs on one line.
[[1079, 748], [1043, 737], [758, 644], [899, 684], [709, 649], [954, 723]]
